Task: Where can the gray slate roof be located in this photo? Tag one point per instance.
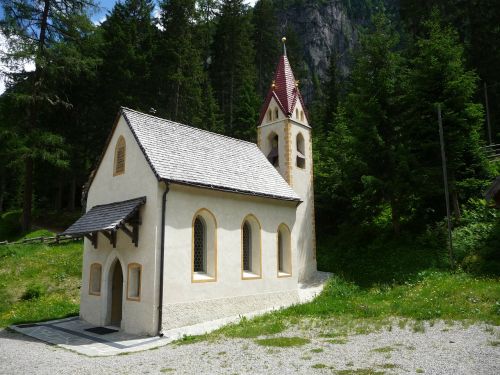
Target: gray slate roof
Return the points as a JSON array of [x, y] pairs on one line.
[[186, 155], [105, 217]]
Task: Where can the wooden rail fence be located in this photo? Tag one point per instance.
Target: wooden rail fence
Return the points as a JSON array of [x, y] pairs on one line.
[[48, 240]]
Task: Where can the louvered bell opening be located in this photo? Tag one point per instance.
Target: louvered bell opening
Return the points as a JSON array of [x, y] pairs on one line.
[[273, 157], [199, 246], [301, 160]]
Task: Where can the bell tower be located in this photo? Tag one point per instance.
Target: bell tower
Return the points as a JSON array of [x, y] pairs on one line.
[[284, 136]]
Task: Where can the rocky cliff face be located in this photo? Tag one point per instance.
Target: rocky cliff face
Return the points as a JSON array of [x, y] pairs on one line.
[[326, 28]]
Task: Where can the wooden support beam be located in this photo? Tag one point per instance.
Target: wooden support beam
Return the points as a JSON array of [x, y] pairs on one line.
[[111, 236], [134, 222], [92, 237]]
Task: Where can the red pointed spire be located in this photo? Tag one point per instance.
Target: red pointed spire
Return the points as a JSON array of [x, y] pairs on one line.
[[284, 89]]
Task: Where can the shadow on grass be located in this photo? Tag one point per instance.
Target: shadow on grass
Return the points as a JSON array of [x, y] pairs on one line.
[[371, 256]]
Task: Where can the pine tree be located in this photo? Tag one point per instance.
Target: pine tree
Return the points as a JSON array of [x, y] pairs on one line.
[[183, 83], [267, 44], [46, 33], [373, 107], [125, 75], [232, 71], [438, 75]]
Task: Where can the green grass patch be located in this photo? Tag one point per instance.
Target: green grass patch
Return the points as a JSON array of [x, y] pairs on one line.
[[360, 371], [283, 342], [317, 350], [494, 343], [339, 341], [190, 339], [384, 349], [39, 282], [388, 366], [259, 326], [430, 295], [319, 365]]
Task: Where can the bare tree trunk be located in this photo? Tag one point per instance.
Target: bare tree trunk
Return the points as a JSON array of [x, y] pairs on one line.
[[454, 197], [231, 96], [28, 194], [396, 216], [72, 193], [32, 118], [2, 189], [456, 205], [59, 194]]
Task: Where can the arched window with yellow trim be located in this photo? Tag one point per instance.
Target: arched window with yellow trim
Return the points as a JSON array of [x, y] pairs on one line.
[[251, 251], [276, 114], [284, 251], [204, 253], [120, 154]]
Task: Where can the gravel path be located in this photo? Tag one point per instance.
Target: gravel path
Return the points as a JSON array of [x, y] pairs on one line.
[[439, 349]]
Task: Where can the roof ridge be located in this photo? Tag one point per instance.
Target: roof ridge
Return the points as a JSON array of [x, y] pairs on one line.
[[189, 126]]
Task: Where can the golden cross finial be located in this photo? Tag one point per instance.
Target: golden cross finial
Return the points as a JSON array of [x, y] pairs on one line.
[[283, 40]]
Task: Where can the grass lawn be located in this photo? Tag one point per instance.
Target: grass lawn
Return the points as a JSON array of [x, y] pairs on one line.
[[345, 308], [39, 282]]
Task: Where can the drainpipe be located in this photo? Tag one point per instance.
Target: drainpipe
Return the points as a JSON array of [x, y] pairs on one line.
[[162, 260]]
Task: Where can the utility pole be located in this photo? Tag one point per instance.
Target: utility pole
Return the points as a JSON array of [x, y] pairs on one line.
[[487, 113], [445, 178]]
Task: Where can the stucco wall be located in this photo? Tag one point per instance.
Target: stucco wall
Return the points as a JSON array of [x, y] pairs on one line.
[[302, 183], [138, 180], [301, 180], [187, 302]]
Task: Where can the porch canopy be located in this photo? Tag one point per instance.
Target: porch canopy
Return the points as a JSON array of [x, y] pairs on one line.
[[108, 219]]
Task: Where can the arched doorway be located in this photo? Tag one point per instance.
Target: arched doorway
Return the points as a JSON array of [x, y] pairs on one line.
[[116, 283]]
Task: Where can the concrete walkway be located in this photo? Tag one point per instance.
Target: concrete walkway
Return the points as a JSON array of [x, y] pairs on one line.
[[72, 333]]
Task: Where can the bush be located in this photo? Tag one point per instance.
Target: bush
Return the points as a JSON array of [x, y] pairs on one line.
[[371, 254], [10, 225], [32, 292], [476, 241]]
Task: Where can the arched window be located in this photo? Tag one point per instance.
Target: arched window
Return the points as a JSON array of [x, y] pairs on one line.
[[276, 114], [269, 115], [200, 247], [247, 247], [301, 115], [273, 155], [301, 155], [296, 113], [120, 152], [204, 261], [251, 265], [284, 251], [95, 279]]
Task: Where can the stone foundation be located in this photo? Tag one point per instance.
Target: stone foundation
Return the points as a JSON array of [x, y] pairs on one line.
[[189, 313]]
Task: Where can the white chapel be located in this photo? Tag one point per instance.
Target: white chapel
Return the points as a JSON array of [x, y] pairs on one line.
[[185, 226]]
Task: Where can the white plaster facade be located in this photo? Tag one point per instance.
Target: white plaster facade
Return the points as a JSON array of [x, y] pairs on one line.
[[138, 180], [226, 289]]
